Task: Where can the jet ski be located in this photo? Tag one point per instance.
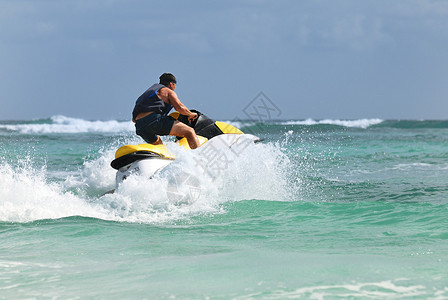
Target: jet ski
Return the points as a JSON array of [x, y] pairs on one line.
[[147, 159]]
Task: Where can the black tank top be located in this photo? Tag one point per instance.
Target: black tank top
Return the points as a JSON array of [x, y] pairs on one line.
[[149, 101]]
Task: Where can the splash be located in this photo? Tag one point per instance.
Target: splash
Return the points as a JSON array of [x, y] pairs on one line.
[[189, 187], [26, 196]]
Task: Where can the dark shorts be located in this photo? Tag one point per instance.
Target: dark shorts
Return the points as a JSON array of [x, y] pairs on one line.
[[153, 125]]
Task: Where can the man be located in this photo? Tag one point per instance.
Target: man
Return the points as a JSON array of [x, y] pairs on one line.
[[151, 110]]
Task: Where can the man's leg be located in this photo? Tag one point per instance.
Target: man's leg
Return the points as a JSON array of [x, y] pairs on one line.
[[180, 129], [158, 142]]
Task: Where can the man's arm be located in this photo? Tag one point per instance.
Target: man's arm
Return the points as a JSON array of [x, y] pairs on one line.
[[170, 97]]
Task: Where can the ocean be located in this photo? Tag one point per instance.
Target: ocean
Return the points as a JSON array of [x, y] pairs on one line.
[[320, 209]]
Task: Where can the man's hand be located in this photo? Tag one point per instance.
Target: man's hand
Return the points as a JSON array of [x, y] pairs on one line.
[[192, 117]]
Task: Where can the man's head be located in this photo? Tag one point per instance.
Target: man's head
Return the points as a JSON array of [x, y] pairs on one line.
[[167, 78]]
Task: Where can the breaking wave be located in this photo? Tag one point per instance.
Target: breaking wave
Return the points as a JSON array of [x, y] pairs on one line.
[[62, 124]]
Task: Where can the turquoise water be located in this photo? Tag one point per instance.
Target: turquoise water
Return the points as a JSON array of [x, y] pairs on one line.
[[323, 210]]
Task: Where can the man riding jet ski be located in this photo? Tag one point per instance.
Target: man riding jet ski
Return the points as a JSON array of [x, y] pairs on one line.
[[148, 159], [151, 119], [151, 110]]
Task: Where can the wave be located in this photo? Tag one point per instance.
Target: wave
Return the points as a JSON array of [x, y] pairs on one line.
[[361, 123], [334, 123], [373, 290], [414, 124], [63, 124], [275, 126]]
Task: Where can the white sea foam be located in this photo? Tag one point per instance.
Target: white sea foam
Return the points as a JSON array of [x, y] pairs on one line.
[[361, 123], [372, 290], [26, 196], [191, 186], [95, 177], [62, 124], [194, 185], [410, 166]]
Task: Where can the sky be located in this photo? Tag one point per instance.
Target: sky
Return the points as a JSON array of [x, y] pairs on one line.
[[319, 59]]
